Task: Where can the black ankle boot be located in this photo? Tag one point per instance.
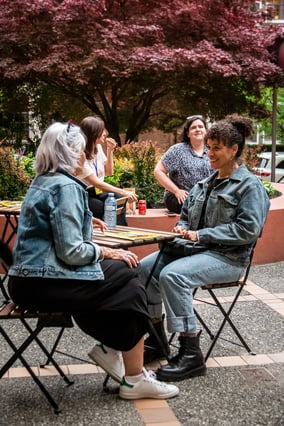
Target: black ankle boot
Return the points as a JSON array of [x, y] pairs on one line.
[[189, 362], [152, 349]]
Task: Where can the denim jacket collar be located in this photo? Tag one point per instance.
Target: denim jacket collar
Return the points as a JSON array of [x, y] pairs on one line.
[[80, 182]]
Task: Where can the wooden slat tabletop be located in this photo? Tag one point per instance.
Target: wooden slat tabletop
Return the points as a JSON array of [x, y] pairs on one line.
[[124, 236], [13, 207], [121, 236]]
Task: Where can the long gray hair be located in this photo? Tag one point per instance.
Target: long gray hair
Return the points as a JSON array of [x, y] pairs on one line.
[[60, 148]]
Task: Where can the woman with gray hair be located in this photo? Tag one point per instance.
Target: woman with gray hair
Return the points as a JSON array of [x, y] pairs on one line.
[[57, 267]]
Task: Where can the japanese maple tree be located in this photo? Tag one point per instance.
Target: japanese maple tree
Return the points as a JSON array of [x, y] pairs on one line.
[[129, 61]]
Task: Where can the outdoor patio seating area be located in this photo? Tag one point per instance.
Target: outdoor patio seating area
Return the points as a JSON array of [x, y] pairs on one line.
[[239, 388], [142, 190]]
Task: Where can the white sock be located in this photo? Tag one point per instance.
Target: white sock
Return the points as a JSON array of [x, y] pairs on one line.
[[134, 379]]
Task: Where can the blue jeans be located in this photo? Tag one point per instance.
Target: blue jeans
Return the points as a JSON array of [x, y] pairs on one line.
[[173, 281]]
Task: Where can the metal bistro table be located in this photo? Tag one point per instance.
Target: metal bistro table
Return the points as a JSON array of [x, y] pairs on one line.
[[126, 237], [11, 211]]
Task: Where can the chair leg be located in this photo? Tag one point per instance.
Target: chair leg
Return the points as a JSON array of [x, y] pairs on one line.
[[18, 355], [51, 353], [2, 287], [228, 320], [105, 387], [204, 325], [2, 281], [171, 338], [34, 333], [163, 243], [154, 332]]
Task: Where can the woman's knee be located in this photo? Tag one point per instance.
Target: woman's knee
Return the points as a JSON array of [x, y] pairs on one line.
[[172, 281], [146, 264]]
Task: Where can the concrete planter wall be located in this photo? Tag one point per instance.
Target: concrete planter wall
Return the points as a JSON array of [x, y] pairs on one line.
[[270, 247]]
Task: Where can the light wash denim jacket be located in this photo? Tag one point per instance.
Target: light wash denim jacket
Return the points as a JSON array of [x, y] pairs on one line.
[[54, 237], [235, 213]]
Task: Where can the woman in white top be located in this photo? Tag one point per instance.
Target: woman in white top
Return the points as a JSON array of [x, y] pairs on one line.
[[98, 165]]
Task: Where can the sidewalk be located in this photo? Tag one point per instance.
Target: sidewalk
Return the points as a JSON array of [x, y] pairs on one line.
[[239, 389]]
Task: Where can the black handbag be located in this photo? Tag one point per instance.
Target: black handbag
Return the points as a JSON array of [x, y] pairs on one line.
[[180, 247]]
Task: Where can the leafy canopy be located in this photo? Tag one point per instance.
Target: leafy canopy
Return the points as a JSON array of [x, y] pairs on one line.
[[121, 58]]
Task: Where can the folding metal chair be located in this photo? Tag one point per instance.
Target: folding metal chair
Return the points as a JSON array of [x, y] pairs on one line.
[[65, 320], [9, 311], [6, 259], [216, 301]]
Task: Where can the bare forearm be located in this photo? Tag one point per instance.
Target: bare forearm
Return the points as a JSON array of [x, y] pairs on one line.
[[165, 181], [168, 184], [106, 187], [111, 144], [109, 163]]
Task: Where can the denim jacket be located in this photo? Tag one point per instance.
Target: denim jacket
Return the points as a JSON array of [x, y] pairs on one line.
[[54, 237], [234, 215]]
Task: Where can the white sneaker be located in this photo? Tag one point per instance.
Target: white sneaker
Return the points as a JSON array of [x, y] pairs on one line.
[[147, 387], [109, 360]]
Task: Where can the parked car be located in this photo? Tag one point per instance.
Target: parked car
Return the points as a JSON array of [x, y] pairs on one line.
[[263, 167]]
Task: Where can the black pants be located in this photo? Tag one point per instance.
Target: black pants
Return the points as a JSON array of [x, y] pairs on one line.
[[113, 311], [97, 204], [172, 203]]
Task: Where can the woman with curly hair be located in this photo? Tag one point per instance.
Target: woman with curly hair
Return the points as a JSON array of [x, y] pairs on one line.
[[225, 213]]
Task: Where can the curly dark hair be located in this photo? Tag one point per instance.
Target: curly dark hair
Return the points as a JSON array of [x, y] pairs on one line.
[[232, 130]]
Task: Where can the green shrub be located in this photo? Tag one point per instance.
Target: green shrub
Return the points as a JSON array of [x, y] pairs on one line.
[[14, 182], [28, 164], [121, 178], [272, 193], [135, 162]]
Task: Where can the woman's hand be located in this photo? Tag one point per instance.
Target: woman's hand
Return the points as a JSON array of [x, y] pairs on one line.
[[98, 223], [111, 144], [190, 235], [130, 258], [186, 234], [181, 195], [131, 196], [179, 230]]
